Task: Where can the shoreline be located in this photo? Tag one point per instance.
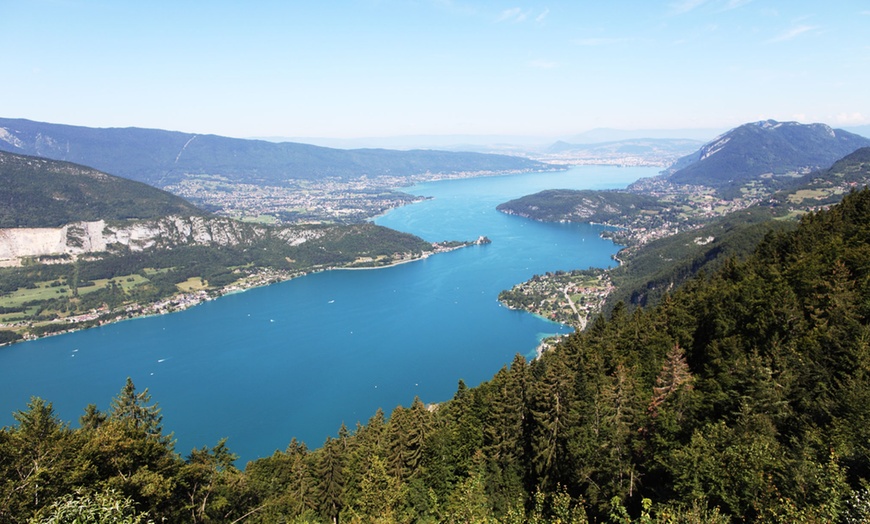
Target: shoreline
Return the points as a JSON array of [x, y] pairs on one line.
[[183, 300]]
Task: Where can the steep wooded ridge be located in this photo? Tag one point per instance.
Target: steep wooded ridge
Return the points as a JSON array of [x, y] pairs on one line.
[[568, 205], [764, 148], [659, 266], [742, 397], [36, 192], [161, 158]]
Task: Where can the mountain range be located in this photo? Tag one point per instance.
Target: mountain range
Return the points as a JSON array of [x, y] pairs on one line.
[[161, 158], [771, 162], [764, 149]]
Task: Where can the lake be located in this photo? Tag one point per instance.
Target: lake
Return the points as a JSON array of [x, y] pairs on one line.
[[299, 358]]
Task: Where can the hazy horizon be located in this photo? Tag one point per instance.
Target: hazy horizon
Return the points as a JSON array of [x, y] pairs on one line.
[[386, 68]]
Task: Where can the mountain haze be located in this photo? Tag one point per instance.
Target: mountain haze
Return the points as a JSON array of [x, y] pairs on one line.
[[636, 146], [161, 158]]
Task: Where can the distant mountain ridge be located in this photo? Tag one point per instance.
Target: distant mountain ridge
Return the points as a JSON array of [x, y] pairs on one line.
[[768, 147], [160, 158], [39, 192], [633, 146]]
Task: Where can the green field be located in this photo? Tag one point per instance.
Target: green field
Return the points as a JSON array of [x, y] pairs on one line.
[[799, 196], [192, 284], [45, 291]]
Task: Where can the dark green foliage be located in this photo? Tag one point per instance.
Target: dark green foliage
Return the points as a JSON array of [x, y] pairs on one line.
[[743, 395], [582, 206], [160, 158], [33, 459], [133, 410], [8, 337], [853, 169], [663, 265], [35, 192]]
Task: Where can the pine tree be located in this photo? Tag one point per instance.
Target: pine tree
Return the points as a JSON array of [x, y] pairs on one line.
[[36, 460], [93, 418], [408, 429], [550, 399], [331, 479], [134, 409], [674, 376]]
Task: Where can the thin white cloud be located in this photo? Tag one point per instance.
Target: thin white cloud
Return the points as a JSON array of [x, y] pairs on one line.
[[792, 33], [514, 14], [851, 119]]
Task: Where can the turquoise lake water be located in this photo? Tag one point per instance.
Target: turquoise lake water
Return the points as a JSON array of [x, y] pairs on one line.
[[300, 357]]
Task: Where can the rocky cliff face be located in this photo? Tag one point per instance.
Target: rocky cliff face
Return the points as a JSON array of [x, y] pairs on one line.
[[99, 236]]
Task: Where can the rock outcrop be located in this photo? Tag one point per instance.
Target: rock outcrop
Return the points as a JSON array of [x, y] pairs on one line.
[[17, 244]]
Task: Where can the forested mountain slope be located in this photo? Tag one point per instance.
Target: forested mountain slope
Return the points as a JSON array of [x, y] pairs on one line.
[[763, 148], [161, 158], [657, 268], [38, 192], [744, 396], [571, 205], [651, 271]]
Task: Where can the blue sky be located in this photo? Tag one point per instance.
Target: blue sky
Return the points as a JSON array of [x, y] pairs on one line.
[[372, 68]]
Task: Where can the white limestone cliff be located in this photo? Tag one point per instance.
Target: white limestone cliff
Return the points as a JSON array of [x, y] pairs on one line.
[[18, 244]]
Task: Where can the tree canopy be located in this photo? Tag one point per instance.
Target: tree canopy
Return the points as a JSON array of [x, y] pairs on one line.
[[741, 396]]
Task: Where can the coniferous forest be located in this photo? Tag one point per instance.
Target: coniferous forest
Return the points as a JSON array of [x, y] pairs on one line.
[[743, 396]]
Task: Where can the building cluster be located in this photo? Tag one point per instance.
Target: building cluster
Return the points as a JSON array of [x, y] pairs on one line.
[[567, 297], [331, 200]]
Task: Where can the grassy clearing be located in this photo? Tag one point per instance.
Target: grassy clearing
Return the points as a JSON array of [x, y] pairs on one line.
[[12, 317], [804, 194], [192, 284], [45, 291], [130, 281], [152, 271], [792, 215], [259, 219]]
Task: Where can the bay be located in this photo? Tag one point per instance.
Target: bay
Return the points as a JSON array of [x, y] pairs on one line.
[[299, 358]]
